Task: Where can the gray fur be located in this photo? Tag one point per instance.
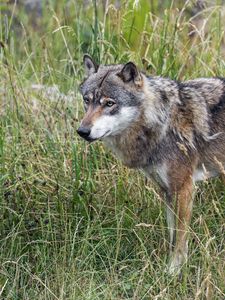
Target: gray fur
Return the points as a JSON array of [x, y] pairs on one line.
[[173, 131]]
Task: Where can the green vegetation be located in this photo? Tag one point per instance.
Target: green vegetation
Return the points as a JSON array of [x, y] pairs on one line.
[[69, 211]]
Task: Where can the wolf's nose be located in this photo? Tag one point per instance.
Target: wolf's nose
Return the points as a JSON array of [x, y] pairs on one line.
[[83, 132]]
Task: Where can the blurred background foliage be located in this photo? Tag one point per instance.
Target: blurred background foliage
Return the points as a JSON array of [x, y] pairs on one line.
[[162, 36]]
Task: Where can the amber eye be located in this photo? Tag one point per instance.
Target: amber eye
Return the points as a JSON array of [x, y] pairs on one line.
[[110, 103], [86, 100]]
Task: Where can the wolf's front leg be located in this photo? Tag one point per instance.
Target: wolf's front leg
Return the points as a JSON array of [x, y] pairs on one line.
[[171, 221], [184, 198]]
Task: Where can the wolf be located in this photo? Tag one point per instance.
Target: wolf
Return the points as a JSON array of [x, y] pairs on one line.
[[171, 130]]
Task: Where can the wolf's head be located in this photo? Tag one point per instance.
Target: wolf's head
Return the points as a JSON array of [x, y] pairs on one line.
[[112, 96]]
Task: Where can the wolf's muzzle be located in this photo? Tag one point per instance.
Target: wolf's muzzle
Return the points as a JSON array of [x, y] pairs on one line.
[[84, 132]]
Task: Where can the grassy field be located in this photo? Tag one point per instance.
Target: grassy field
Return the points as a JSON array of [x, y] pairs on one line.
[[74, 223]]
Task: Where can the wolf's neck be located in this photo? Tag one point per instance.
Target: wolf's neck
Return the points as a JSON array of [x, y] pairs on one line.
[[135, 146]]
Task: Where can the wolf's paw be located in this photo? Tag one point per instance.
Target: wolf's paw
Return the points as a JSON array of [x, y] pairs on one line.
[[176, 263]]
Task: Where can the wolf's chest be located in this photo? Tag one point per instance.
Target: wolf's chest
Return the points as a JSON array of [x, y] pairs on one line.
[[132, 153]]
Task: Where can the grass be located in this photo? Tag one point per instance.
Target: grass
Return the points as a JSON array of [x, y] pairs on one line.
[[69, 211]]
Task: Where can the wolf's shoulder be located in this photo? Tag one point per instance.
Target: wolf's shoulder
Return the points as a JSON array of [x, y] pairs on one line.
[[162, 82]]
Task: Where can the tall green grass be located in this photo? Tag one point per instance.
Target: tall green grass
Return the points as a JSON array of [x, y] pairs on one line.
[[69, 211]]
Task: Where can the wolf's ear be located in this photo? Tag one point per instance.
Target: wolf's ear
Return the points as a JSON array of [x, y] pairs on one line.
[[130, 73], [89, 65]]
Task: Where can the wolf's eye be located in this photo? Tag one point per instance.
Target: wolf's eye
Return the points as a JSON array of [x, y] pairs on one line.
[[110, 103], [86, 100]]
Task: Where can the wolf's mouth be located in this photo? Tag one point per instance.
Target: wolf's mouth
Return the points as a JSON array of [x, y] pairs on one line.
[[91, 140], [104, 135]]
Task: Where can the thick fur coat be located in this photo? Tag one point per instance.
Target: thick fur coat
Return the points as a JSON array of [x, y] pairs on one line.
[[173, 131]]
